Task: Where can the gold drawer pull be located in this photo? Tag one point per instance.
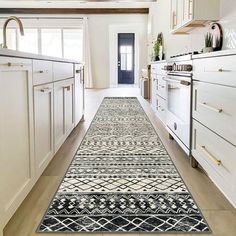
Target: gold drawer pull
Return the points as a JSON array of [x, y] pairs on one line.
[[209, 155], [44, 90], [204, 104], [222, 70], [67, 87], [42, 71]]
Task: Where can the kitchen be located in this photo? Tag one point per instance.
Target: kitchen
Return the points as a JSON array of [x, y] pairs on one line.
[[56, 93]]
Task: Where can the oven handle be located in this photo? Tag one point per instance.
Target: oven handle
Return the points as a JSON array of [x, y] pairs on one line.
[[183, 82]]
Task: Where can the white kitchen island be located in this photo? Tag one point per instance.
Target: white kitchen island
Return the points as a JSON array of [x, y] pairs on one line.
[[41, 101]]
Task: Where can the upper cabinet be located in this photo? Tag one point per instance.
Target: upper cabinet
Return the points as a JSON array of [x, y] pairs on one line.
[[189, 14]]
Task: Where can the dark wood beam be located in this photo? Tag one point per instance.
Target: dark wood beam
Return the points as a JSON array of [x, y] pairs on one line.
[[74, 11]]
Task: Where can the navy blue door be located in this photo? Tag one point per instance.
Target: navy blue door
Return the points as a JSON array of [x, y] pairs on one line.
[[125, 58]]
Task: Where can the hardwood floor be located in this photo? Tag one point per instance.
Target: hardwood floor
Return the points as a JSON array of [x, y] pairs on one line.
[[218, 212]]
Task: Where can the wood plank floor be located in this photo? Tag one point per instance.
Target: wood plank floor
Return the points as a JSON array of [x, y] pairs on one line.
[[218, 212]]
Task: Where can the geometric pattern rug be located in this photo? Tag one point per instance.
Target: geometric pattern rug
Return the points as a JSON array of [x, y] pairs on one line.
[[122, 180]]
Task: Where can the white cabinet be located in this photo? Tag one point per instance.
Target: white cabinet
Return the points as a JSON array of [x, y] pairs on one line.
[[214, 120], [62, 70], [213, 106], [218, 70], [173, 14], [63, 111], [159, 90], [16, 134], [188, 14], [37, 113], [217, 157], [187, 11], [42, 72], [43, 126], [79, 93]]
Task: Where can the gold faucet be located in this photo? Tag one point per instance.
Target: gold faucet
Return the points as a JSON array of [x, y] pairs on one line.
[[4, 45]]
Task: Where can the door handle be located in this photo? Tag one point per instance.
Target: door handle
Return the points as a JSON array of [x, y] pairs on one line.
[[186, 83], [118, 63]]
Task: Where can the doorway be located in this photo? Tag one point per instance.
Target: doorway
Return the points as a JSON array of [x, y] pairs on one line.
[[126, 51]]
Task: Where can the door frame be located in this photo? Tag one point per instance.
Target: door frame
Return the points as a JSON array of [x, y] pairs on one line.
[[113, 50], [126, 76]]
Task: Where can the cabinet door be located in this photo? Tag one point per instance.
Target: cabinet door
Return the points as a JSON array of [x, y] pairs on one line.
[[154, 92], [173, 14], [79, 95], [69, 106], [180, 13], [43, 126], [16, 134], [187, 11], [63, 111]]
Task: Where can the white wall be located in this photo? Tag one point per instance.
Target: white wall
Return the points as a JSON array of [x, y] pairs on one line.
[[159, 20], [175, 44], [228, 22], [99, 39]]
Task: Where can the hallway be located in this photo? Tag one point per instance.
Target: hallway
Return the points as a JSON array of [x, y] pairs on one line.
[[218, 212]]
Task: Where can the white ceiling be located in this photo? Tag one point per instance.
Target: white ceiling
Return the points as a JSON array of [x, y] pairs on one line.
[[76, 3]]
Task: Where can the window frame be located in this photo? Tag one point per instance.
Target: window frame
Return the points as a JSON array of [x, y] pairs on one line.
[[47, 23]]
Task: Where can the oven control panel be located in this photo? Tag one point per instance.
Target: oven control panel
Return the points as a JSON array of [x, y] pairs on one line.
[[178, 67]]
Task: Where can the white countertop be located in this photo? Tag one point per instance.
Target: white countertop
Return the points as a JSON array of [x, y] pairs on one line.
[[227, 52], [156, 62], [14, 53]]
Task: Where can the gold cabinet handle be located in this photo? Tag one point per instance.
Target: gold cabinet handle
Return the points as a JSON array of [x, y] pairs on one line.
[[189, 6], [173, 19], [44, 90], [43, 71], [67, 87], [204, 104], [209, 155]]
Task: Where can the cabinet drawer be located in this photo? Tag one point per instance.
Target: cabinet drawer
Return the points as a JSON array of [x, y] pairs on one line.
[[42, 72], [63, 70], [219, 70], [216, 155], [161, 106], [153, 68], [161, 87], [214, 106], [158, 68]]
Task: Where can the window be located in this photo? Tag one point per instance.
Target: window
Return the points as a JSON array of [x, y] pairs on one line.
[[51, 42], [126, 57], [28, 42], [11, 38], [58, 42]]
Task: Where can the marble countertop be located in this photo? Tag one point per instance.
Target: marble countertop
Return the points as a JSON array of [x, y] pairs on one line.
[[156, 62], [221, 53], [14, 53]]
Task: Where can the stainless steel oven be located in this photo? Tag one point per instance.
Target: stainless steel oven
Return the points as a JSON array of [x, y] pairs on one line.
[[178, 117]]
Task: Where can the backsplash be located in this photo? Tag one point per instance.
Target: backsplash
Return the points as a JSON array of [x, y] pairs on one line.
[[228, 22], [176, 44]]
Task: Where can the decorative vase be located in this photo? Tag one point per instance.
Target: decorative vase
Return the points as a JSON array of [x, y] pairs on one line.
[[157, 58], [207, 49]]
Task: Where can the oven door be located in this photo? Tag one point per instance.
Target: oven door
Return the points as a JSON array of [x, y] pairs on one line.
[[178, 107]]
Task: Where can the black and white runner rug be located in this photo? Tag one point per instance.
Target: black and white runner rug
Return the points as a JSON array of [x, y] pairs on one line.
[[122, 180]]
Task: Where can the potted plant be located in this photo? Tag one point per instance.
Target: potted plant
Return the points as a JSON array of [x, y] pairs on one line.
[[208, 43], [156, 50], [160, 40]]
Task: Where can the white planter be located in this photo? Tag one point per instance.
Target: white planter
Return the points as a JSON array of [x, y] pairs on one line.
[[207, 49]]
